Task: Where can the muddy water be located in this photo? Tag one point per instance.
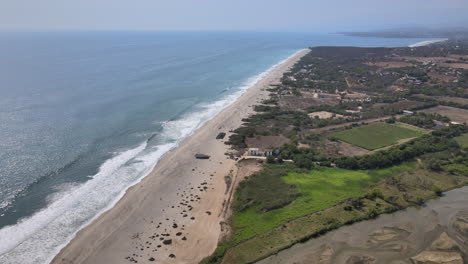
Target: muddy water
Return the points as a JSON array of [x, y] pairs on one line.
[[434, 233]]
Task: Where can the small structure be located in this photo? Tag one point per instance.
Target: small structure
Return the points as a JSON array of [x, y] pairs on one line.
[[406, 112], [201, 156], [253, 152], [221, 135], [266, 152]]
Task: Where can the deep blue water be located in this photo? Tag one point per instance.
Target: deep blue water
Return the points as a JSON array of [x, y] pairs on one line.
[[84, 115]]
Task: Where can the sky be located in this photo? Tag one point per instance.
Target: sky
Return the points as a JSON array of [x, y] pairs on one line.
[[308, 15]]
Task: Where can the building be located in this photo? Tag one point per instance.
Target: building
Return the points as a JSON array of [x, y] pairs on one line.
[[253, 152], [406, 112], [266, 153]]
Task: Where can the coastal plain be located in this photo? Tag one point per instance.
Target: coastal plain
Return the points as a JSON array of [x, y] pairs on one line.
[[342, 115]]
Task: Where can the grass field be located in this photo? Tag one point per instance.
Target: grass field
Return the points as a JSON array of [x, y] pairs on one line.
[[462, 140], [414, 186], [378, 135], [319, 189]]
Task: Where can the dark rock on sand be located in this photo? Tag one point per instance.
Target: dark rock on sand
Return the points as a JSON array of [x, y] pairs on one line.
[[201, 156]]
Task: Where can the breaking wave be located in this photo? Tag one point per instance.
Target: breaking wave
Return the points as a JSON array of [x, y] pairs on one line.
[[38, 238]]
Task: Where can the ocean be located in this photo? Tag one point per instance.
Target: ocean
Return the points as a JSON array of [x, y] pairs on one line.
[[85, 115]]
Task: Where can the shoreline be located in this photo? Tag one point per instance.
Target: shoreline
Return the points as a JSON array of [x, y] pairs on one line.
[[426, 43], [162, 197]]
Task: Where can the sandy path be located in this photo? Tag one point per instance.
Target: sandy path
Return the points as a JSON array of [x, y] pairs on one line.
[[173, 215]]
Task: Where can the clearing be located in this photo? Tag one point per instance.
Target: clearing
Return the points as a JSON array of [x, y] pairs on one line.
[[266, 141], [458, 100], [324, 115], [455, 114], [390, 64], [378, 135]]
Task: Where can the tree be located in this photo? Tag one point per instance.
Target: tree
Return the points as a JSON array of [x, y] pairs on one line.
[[270, 159], [437, 190], [434, 165]]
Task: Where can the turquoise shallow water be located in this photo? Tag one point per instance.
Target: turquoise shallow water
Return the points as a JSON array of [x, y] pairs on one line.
[[84, 115]]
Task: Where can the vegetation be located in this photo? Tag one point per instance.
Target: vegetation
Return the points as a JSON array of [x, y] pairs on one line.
[[257, 209], [423, 120], [327, 185], [377, 135], [265, 190], [396, 191], [462, 140], [439, 140]]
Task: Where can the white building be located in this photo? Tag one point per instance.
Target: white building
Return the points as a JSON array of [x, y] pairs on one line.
[[253, 152]]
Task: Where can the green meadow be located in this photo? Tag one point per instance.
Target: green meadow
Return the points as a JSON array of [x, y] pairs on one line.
[[378, 135], [317, 190]]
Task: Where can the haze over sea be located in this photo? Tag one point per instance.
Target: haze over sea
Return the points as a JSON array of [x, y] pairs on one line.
[[84, 115]]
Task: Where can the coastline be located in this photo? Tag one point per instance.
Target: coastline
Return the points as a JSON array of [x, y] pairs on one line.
[[426, 43], [178, 189]]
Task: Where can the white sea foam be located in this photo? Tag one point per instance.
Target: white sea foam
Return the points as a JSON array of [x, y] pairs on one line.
[[37, 239]]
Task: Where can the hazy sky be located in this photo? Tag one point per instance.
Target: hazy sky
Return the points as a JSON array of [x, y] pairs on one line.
[[315, 15]]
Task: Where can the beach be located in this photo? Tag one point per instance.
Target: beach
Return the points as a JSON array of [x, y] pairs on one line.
[[174, 214], [425, 43]]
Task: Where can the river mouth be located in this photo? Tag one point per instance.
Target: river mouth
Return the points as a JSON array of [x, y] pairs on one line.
[[434, 233]]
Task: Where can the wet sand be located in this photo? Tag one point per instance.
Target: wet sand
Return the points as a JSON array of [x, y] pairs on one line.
[[434, 233], [174, 214]]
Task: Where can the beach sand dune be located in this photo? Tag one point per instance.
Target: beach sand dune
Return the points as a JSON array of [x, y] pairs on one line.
[[173, 215]]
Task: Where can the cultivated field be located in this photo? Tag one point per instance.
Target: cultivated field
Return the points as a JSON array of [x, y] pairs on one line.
[[378, 135], [402, 105], [455, 114], [457, 100]]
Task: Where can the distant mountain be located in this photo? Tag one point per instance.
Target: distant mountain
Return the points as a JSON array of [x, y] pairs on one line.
[[415, 32]]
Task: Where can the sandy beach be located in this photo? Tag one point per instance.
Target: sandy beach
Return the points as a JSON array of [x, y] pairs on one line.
[[174, 214], [425, 43]]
